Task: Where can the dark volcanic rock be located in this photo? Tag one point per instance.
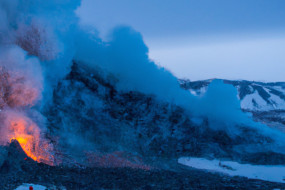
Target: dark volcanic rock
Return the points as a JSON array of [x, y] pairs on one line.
[[271, 158], [16, 159], [86, 109], [15, 167], [126, 178]]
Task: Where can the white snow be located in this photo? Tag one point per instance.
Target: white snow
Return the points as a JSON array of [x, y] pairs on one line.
[[198, 92], [247, 103], [279, 88], [278, 102], [262, 172], [193, 92], [275, 101], [26, 186], [203, 90]]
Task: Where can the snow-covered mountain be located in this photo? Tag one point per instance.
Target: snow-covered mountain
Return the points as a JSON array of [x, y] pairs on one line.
[[266, 101], [254, 96]]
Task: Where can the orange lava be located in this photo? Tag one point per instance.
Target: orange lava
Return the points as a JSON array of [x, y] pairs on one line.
[[19, 91], [28, 135]]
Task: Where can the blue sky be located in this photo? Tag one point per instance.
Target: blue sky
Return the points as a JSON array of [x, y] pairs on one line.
[[200, 39]]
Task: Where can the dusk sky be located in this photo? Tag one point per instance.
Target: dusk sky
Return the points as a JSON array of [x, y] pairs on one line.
[[203, 39]]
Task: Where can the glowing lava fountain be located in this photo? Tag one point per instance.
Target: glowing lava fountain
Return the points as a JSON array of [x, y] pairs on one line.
[[28, 135], [18, 94]]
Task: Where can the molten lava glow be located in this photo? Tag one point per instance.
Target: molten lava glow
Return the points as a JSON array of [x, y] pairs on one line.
[[17, 94], [28, 135], [21, 87]]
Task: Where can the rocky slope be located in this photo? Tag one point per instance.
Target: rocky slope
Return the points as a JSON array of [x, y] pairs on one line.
[[88, 114]]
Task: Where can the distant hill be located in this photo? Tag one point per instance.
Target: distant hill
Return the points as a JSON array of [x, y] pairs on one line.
[[266, 101]]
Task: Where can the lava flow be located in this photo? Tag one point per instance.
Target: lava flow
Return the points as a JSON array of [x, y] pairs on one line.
[[28, 135]]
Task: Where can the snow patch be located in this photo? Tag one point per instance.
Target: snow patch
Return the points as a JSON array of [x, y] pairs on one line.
[[203, 90], [277, 102], [26, 186], [279, 88], [248, 102], [193, 92], [261, 172], [198, 92]]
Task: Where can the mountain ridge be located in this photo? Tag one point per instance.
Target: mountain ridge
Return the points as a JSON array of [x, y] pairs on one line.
[[254, 95], [264, 100]]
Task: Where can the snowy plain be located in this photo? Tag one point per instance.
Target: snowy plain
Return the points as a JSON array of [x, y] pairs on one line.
[[262, 172]]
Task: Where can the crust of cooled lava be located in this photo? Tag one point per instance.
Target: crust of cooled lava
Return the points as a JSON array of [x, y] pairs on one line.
[[17, 169]]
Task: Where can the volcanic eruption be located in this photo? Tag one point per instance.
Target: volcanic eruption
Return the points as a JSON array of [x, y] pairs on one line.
[[66, 94], [18, 94]]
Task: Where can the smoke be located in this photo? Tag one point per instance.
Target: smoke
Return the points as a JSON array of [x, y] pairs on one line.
[[43, 29], [21, 77], [39, 39], [21, 82], [220, 103], [29, 41], [126, 57]]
